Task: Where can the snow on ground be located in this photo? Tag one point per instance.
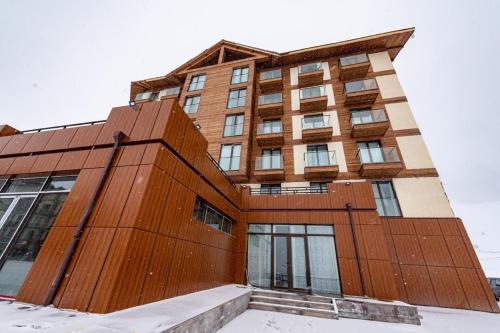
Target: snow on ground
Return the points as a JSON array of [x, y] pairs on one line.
[[153, 317], [436, 320]]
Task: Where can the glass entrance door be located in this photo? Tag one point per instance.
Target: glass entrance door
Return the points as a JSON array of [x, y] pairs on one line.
[[290, 262]]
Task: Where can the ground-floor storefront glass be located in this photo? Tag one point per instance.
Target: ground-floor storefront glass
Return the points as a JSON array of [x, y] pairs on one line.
[[293, 257]]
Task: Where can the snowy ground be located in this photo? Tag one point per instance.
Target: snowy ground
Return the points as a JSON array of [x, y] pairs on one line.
[[437, 320]]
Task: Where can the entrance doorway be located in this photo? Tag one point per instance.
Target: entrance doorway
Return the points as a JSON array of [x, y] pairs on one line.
[[293, 257]]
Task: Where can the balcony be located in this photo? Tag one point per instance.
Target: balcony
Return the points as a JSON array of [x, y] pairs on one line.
[[366, 123], [271, 81], [310, 75], [316, 128], [379, 162], [149, 96], [270, 135], [360, 92], [320, 165], [354, 67], [269, 167], [313, 99], [270, 105]]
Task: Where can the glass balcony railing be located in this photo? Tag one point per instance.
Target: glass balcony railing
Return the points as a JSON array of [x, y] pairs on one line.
[[272, 128], [312, 92], [320, 158], [270, 99], [354, 59], [269, 162], [360, 117], [362, 85], [316, 122], [308, 68], [269, 75], [378, 155]]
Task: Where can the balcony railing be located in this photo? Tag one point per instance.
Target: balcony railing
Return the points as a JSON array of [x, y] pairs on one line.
[[320, 158], [269, 75], [354, 59], [89, 123], [289, 191], [316, 122], [270, 128], [362, 85], [269, 162], [308, 68], [378, 155], [270, 99], [312, 92], [367, 116]]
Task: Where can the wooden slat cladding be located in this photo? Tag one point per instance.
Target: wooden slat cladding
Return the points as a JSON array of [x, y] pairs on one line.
[[436, 264]]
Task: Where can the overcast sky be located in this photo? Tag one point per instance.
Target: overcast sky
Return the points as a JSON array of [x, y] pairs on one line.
[[67, 62]]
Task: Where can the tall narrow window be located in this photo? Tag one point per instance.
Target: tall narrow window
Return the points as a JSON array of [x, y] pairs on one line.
[[240, 75], [230, 157], [234, 125], [387, 202], [271, 159], [236, 98], [370, 152], [197, 82], [317, 155], [191, 104]]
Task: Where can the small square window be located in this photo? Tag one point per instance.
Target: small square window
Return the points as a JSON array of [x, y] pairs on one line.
[[237, 98], [197, 82], [240, 75], [233, 125], [191, 104]]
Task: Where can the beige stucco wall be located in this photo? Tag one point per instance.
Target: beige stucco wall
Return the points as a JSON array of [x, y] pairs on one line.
[[414, 152], [294, 73], [389, 86], [400, 116], [422, 197], [380, 61], [297, 124], [295, 95], [299, 151]]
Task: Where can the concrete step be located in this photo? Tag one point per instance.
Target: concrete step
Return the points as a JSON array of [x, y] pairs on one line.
[[295, 296], [368, 309], [296, 310], [293, 302]]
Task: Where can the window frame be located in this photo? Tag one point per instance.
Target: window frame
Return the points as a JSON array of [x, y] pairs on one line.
[[231, 157], [234, 125], [379, 196], [238, 99], [190, 98], [240, 75], [197, 84]]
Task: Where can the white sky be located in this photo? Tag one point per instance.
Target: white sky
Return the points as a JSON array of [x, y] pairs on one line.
[[66, 62]]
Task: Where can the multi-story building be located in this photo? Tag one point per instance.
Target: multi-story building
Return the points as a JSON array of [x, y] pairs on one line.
[[302, 170]]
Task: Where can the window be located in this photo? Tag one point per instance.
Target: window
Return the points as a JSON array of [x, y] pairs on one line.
[[170, 92], [387, 202], [370, 152], [271, 159], [240, 75], [234, 125], [317, 155], [206, 213], [315, 121], [366, 116], [312, 92], [270, 99], [270, 189], [319, 187], [28, 208], [268, 75], [191, 104], [230, 157], [354, 59], [307, 68], [236, 98], [270, 126], [197, 82]]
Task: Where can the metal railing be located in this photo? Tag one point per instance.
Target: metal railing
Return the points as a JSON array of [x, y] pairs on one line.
[[270, 99], [316, 122], [361, 85], [312, 92], [220, 169], [354, 59], [367, 116], [378, 155], [289, 190], [308, 68], [320, 158], [270, 128], [89, 123], [269, 162], [268, 75]]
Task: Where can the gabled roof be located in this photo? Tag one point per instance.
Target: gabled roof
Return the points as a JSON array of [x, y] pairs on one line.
[[392, 41]]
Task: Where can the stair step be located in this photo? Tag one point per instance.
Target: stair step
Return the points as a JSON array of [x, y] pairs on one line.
[[301, 297], [293, 302], [296, 310]]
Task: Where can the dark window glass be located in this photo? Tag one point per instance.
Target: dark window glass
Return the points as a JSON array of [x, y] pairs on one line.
[[205, 213], [60, 183], [270, 189], [13, 220], [199, 210], [240, 75], [197, 82], [387, 202], [236, 98], [2, 182], [319, 187], [24, 185]]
